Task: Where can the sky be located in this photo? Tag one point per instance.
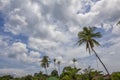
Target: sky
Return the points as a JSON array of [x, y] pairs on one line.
[[31, 29]]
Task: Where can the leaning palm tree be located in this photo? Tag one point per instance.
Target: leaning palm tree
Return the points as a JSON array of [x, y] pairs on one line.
[[88, 36], [45, 63], [58, 67], [74, 60]]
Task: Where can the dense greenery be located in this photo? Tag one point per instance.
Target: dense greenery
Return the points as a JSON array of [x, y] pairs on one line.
[[87, 36], [68, 73]]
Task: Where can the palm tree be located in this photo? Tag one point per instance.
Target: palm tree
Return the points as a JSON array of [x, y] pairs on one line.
[[74, 60], [58, 67], [45, 63], [54, 63], [88, 36]]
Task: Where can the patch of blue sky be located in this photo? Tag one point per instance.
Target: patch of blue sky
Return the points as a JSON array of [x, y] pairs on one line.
[[89, 60], [14, 38], [10, 63], [106, 36], [85, 8], [95, 0], [1, 20]]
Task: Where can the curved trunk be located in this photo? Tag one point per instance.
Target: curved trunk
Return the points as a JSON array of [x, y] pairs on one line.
[[101, 62]]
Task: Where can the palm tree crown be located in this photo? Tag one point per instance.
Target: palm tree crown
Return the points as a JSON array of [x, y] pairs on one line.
[[88, 36], [45, 62], [54, 63], [74, 60]]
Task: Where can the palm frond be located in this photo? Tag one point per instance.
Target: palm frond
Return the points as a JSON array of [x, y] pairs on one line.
[[95, 42], [97, 35], [92, 29], [80, 42]]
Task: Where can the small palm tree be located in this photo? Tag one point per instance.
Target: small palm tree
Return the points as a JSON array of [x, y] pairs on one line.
[[88, 36], [74, 60], [45, 63], [59, 66], [54, 63]]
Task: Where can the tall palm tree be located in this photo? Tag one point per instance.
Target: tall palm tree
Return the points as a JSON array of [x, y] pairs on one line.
[[45, 63], [88, 36], [74, 60], [54, 63], [59, 66]]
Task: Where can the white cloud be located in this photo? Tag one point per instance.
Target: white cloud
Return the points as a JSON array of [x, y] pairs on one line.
[[98, 14], [34, 54], [4, 3], [116, 29], [16, 50], [40, 44]]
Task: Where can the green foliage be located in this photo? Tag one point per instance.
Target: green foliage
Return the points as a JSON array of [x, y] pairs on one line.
[[40, 76], [6, 77], [54, 73], [70, 72], [52, 78], [90, 73], [115, 76], [66, 77], [28, 77]]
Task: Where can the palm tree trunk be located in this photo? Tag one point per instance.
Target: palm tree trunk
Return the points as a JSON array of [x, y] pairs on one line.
[[101, 61], [46, 70], [59, 69], [55, 66], [74, 64]]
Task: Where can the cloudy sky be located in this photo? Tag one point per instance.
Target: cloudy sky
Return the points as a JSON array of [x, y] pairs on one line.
[[30, 29]]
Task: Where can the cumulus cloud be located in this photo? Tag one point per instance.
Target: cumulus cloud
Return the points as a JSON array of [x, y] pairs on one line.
[[18, 51], [101, 12]]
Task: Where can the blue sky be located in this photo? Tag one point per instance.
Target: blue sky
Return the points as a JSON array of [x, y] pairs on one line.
[[30, 29]]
